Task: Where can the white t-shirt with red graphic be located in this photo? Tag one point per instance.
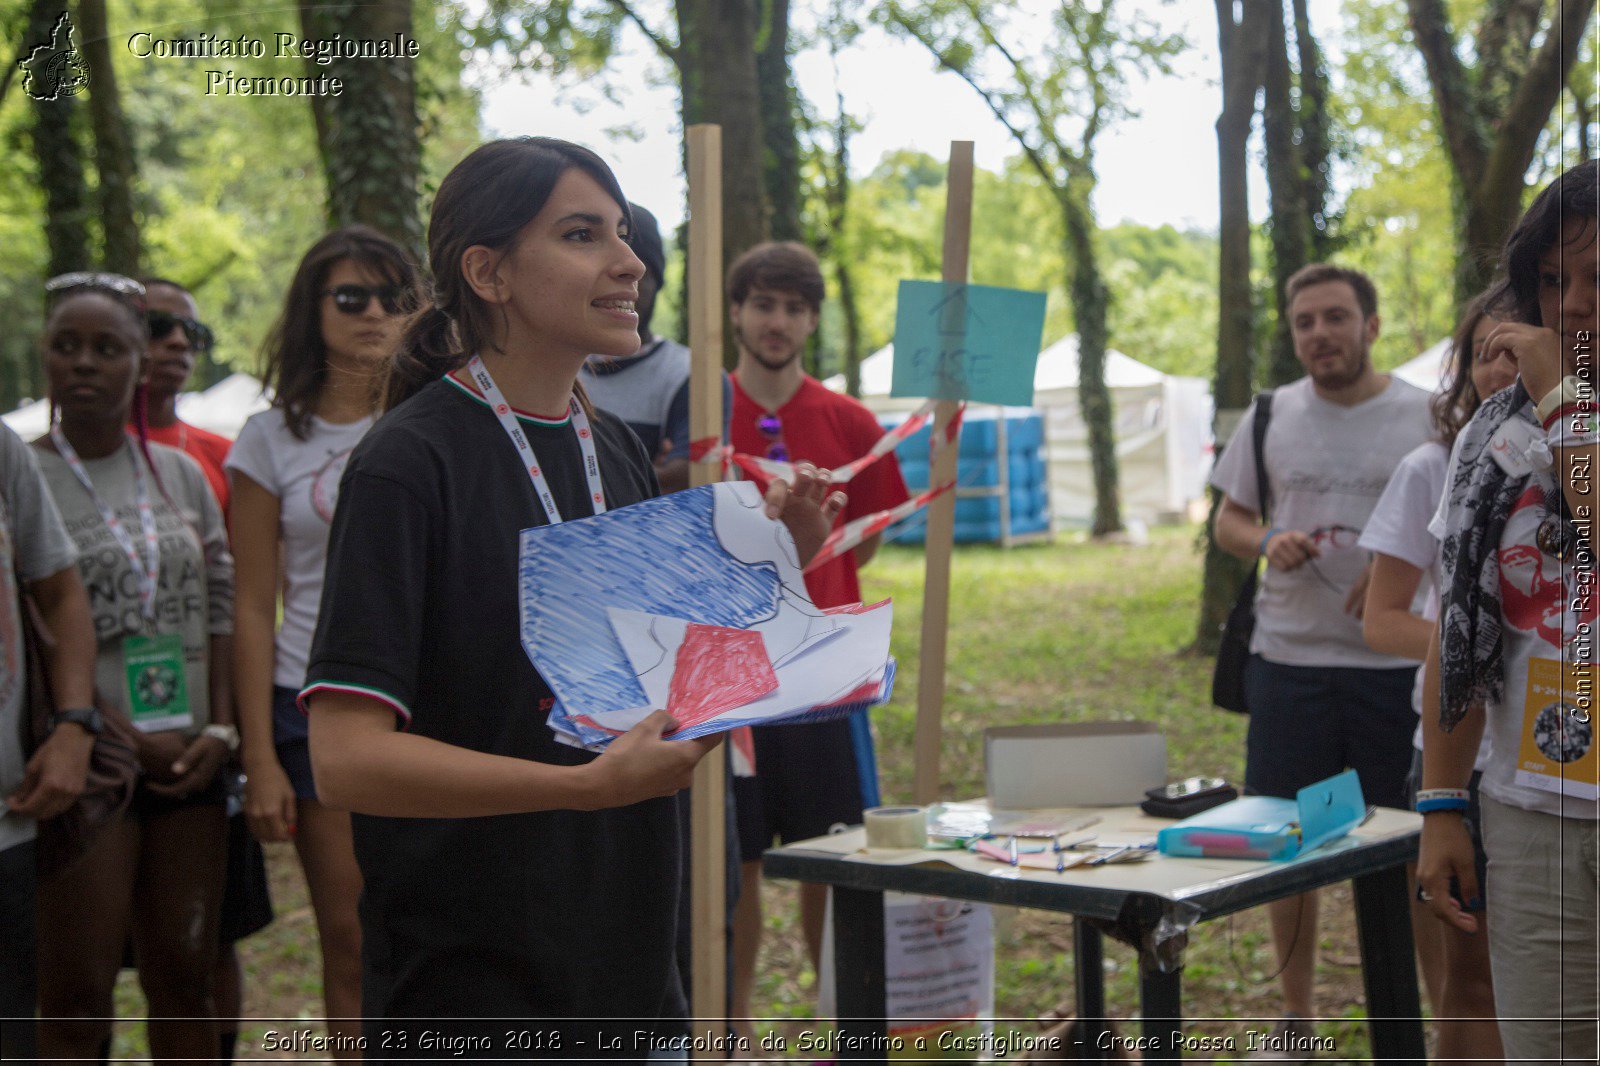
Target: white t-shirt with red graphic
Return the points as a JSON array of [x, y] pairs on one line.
[[304, 476], [1536, 603]]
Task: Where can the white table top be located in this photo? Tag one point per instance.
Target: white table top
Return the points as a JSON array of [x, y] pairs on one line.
[[1161, 875]]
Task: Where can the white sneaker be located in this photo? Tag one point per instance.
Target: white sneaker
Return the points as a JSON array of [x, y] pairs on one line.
[[1291, 1040]]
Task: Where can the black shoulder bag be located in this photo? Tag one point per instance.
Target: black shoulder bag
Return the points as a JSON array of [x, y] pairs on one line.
[[1227, 680]]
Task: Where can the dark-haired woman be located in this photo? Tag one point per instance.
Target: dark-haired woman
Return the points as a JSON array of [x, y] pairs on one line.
[[326, 357], [153, 555], [1405, 559], [506, 875], [1516, 653]]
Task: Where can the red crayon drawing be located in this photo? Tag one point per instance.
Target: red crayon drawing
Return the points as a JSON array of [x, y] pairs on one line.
[[717, 670]]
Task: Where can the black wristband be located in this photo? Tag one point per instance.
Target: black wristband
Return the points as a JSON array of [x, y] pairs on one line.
[[90, 718]]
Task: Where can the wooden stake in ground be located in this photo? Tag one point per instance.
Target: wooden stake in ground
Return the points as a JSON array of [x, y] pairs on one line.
[[707, 817], [942, 512]]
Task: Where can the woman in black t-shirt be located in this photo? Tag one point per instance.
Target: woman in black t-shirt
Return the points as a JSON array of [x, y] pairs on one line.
[[507, 875]]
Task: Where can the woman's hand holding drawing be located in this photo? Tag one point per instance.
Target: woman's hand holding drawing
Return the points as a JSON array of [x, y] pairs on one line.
[[807, 507], [642, 764]]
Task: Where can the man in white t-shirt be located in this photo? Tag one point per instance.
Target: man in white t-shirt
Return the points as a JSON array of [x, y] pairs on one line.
[[1320, 700]]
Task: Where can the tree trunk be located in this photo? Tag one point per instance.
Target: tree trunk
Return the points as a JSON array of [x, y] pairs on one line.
[[1243, 48], [61, 164], [717, 70], [1492, 113], [836, 196], [59, 154], [113, 146], [1286, 184], [1090, 306], [781, 140], [1314, 143], [368, 133], [844, 278]]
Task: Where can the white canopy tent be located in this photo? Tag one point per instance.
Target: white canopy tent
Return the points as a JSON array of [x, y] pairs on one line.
[[1163, 429], [1428, 370], [222, 408]]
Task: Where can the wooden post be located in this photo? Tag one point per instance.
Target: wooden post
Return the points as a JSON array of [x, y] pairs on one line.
[[942, 512], [708, 811]]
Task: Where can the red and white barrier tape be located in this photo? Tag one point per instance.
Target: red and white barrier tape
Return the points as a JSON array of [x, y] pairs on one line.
[[763, 471], [853, 533], [711, 449]]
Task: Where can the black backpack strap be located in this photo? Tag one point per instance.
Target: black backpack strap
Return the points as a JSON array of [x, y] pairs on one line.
[[1258, 434]]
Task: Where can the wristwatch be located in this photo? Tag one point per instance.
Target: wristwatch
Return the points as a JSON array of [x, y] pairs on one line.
[[90, 718], [228, 734], [1571, 389]]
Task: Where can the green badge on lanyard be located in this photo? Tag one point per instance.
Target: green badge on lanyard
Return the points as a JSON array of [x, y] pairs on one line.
[[158, 695]]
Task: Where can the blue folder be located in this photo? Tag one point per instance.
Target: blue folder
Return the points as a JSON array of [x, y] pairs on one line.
[[1264, 827]]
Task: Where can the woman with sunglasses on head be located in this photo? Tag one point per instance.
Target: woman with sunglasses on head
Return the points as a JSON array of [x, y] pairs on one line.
[[177, 339], [1402, 603], [154, 558], [506, 874], [341, 323], [1515, 657]]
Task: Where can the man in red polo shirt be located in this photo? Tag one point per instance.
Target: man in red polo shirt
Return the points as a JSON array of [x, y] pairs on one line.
[[807, 776], [177, 336]]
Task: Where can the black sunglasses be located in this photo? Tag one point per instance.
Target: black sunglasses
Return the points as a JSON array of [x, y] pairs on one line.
[[197, 333], [354, 299]]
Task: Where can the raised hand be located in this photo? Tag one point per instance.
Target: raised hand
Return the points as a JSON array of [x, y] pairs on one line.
[[808, 507], [1537, 351]]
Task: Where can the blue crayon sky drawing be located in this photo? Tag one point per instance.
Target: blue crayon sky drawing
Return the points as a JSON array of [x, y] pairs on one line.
[[662, 556]]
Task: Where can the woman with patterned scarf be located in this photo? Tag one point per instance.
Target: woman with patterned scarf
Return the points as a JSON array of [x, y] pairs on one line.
[[1516, 650]]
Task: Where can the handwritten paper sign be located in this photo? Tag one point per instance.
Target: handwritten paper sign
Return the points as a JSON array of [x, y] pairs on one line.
[[966, 342]]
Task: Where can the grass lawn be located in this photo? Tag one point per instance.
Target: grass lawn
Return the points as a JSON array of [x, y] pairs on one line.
[[1047, 633]]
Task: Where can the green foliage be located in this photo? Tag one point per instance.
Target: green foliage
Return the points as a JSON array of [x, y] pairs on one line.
[[571, 39], [1397, 216], [1163, 281], [1164, 284], [231, 187]]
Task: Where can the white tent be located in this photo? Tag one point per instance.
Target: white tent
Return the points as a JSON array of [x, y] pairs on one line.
[[1428, 370], [1163, 428], [222, 408]]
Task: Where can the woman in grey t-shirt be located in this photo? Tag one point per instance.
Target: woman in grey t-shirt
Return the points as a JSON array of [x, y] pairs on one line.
[[153, 555]]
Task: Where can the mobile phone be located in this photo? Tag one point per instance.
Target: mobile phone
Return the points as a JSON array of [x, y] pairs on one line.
[[1191, 786], [1186, 798]]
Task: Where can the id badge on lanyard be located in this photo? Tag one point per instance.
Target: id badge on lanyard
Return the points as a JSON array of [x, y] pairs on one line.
[[530, 461], [157, 690], [1557, 752]]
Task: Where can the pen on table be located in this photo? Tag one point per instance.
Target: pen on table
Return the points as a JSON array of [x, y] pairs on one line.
[[1120, 854], [1101, 860]]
